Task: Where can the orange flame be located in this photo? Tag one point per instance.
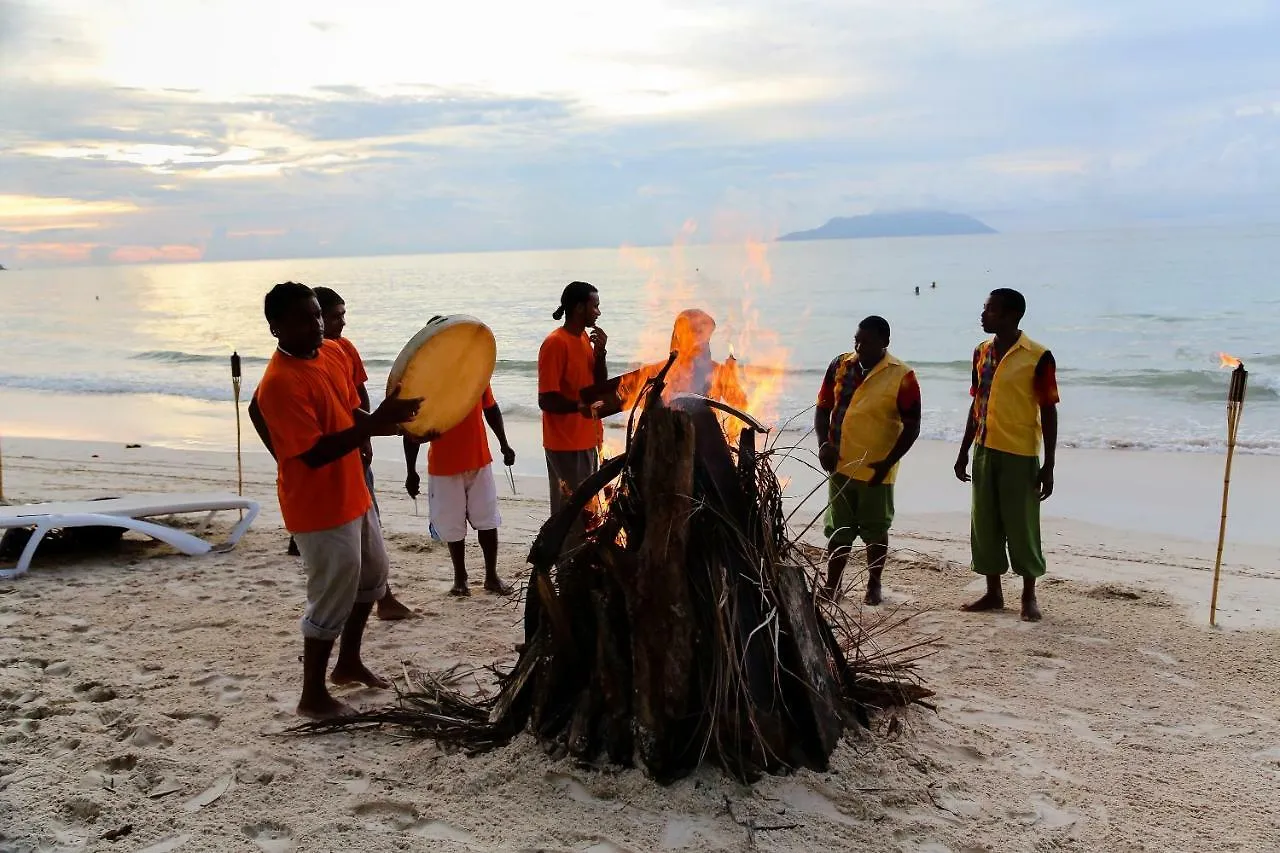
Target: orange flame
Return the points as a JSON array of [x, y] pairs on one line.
[[1229, 362], [753, 384]]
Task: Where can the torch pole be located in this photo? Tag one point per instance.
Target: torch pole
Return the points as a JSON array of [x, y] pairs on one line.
[[235, 390], [1, 474], [1235, 408]]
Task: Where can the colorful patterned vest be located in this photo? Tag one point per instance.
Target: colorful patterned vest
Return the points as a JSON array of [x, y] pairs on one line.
[[1006, 407], [872, 422]]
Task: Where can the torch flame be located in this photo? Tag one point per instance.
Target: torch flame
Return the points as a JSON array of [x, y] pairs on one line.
[[1229, 362]]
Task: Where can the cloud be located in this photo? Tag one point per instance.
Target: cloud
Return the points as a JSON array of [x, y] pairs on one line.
[[619, 128]]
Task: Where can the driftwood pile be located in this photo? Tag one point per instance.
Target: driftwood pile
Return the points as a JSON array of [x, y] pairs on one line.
[[682, 627]]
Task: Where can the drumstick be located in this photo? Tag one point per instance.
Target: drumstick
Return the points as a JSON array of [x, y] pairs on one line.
[[512, 478]]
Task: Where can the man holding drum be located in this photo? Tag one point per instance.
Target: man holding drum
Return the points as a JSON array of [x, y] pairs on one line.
[[311, 410]]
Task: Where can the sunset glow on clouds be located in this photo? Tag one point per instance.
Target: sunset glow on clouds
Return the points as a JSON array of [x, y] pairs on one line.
[[140, 130]]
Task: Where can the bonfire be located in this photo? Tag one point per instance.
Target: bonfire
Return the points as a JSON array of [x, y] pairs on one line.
[[682, 629]]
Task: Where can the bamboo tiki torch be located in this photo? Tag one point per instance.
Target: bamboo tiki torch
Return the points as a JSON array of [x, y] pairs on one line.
[[1235, 408], [1, 474], [235, 389]]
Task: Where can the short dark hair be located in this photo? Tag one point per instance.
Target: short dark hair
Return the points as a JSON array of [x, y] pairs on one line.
[[328, 298], [1012, 300], [876, 324], [573, 295], [282, 296]]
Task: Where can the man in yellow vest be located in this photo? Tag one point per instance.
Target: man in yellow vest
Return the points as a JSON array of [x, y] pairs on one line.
[[1015, 401], [867, 418]]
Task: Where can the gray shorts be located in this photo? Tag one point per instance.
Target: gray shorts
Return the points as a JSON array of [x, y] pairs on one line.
[[345, 565], [566, 470]]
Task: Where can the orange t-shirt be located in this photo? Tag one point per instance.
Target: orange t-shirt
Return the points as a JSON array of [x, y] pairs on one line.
[[465, 447], [357, 364], [302, 399], [566, 365]]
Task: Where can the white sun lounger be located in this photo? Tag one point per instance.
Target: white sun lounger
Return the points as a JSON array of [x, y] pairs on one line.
[[129, 513]]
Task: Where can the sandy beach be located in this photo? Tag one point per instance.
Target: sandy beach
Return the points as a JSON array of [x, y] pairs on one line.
[[144, 695]]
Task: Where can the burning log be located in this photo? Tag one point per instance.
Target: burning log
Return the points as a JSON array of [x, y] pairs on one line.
[[683, 629]]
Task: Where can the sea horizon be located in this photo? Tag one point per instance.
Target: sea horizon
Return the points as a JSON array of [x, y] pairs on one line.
[[1136, 319]]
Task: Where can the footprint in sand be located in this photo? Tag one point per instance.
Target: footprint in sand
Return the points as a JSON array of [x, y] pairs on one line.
[[386, 815], [435, 830], [94, 691], [271, 837], [208, 721], [145, 737], [226, 688]]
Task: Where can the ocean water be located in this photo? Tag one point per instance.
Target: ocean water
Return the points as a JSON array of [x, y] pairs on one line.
[[1135, 318]]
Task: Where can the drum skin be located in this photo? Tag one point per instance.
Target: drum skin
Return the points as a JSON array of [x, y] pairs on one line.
[[448, 364]]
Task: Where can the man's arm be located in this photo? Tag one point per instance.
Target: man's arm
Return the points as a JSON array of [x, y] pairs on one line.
[[598, 342], [260, 424], [822, 425], [970, 424], [296, 419], [493, 415], [555, 403], [412, 480], [1046, 389]]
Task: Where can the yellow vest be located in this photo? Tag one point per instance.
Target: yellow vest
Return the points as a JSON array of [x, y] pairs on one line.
[[872, 422], [1012, 422]]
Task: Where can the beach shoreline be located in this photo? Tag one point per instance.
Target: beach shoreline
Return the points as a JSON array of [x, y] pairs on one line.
[[148, 690]]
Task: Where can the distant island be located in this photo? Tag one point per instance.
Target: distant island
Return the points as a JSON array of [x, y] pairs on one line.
[[913, 223]]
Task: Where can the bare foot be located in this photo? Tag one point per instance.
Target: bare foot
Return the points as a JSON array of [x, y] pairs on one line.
[[990, 601], [357, 673], [461, 590], [323, 708], [390, 609], [497, 586], [1030, 610], [872, 597]]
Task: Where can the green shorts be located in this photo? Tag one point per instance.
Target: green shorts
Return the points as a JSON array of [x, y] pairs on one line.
[[856, 508]]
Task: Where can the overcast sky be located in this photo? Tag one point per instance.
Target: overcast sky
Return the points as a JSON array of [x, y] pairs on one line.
[[185, 129]]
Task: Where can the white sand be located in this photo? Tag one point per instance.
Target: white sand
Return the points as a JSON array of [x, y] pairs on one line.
[[149, 690]]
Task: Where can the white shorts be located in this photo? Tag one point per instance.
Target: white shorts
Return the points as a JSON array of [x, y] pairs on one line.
[[457, 499]]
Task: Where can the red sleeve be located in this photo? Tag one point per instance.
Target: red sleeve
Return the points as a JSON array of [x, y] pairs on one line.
[[553, 358], [1046, 380], [290, 414], [487, 401], [357, 363], [827, 393], [909, 396], [977, 364]]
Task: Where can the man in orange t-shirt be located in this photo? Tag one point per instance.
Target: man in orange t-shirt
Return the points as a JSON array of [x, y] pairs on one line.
[[334, 310], [461, 489], [311, 411], [568, 361]]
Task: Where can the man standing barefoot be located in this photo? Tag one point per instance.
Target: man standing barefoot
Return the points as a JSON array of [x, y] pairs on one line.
[[334, 310], [316, 427], [1015, 401], [461, 489], [867, 418]]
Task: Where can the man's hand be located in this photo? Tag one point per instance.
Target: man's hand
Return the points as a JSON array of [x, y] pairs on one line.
[[828, 456], [413, 484], [882, 469], [1045, 482], [508, 455], [599, 339], [366, 453], [962, 467], [392, 412], [590, 411]]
